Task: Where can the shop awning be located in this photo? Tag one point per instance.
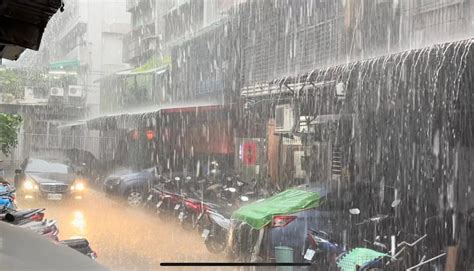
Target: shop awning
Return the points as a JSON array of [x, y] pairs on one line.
[[135, 116], [131, 72], [72, 124], [259, 214]]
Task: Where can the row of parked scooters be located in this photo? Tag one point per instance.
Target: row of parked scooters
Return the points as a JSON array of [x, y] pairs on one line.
[[34, 220], [205, 205]]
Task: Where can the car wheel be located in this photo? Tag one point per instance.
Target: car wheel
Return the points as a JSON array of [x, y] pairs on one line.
[[134, 198]]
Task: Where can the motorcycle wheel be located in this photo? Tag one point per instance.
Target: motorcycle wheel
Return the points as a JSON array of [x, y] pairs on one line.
[[200, 226], [187, 223], [215, 245]]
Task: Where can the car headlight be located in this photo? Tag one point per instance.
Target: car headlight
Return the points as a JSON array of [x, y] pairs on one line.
[[29, 185], [78, 186]]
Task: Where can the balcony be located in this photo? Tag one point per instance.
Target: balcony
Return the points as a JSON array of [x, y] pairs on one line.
[[81, 53], [135, 48]]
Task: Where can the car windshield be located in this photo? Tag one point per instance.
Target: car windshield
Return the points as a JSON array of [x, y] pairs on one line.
[[43, 166]]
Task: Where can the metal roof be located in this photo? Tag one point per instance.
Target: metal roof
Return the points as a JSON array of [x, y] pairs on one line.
[[134, 115]]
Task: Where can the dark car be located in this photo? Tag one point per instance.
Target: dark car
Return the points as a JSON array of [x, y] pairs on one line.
[[133, 186], [48, 179], [288, 230]]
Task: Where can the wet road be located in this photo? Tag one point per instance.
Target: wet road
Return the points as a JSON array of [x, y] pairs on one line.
[[125, 238]]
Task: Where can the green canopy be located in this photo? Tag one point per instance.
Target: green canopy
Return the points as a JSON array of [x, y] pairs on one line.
[[358, 257], [259, 214]]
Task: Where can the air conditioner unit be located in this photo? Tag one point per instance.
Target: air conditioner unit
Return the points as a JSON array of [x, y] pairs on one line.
[[56, 92], [340, 90], [29, 93], [284, 118], [75, 91]]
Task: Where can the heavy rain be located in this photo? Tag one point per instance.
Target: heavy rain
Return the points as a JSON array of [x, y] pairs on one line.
[[237, 135]]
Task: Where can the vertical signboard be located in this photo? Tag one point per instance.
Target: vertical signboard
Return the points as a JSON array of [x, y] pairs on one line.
[[249, 155]]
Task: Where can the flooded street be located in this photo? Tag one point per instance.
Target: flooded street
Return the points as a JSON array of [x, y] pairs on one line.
[[311, 134], [124, 238]]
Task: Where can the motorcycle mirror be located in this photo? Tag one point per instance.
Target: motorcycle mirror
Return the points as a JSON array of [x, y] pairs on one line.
[[176, 178], [354, 211], [378, 218], [396, 202], [244, 198], [188, 178], [231, 189]]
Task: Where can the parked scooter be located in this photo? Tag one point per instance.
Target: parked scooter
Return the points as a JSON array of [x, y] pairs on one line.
[[46, 228], [7, 196], [322, 250], [21, 217], [215, 235], [216, 232], [168, 196], [31, 219], [81, 245], [384, 251]]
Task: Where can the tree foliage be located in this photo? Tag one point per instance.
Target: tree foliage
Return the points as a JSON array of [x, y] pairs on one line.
[[9, 126]]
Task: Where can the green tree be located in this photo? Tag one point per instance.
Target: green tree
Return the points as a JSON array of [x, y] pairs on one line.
[[9, 126]]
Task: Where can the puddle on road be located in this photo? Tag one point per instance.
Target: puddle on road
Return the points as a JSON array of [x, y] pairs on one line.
[[128, 239]]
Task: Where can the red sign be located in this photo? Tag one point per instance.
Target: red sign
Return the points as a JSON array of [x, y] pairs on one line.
[[249, 156], [150, 135]]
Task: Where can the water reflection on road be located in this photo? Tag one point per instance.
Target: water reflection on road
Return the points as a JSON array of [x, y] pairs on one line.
[[124, 238]]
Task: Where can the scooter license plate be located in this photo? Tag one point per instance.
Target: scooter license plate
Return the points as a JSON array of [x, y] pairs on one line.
[[309, 254], [205, 233], [159, 204], [176, 207], [181, 216]]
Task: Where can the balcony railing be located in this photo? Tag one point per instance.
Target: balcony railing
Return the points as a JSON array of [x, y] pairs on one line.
[[132, 48]]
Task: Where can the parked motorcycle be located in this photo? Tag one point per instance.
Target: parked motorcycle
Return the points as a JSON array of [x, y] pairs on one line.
[[215, 235], [7, 196], [22, 216], [390, 248], [81, 245], [168, 196], [46, 228], [216, 232]]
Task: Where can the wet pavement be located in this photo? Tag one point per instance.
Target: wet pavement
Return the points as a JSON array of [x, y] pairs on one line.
[[125, 238]]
